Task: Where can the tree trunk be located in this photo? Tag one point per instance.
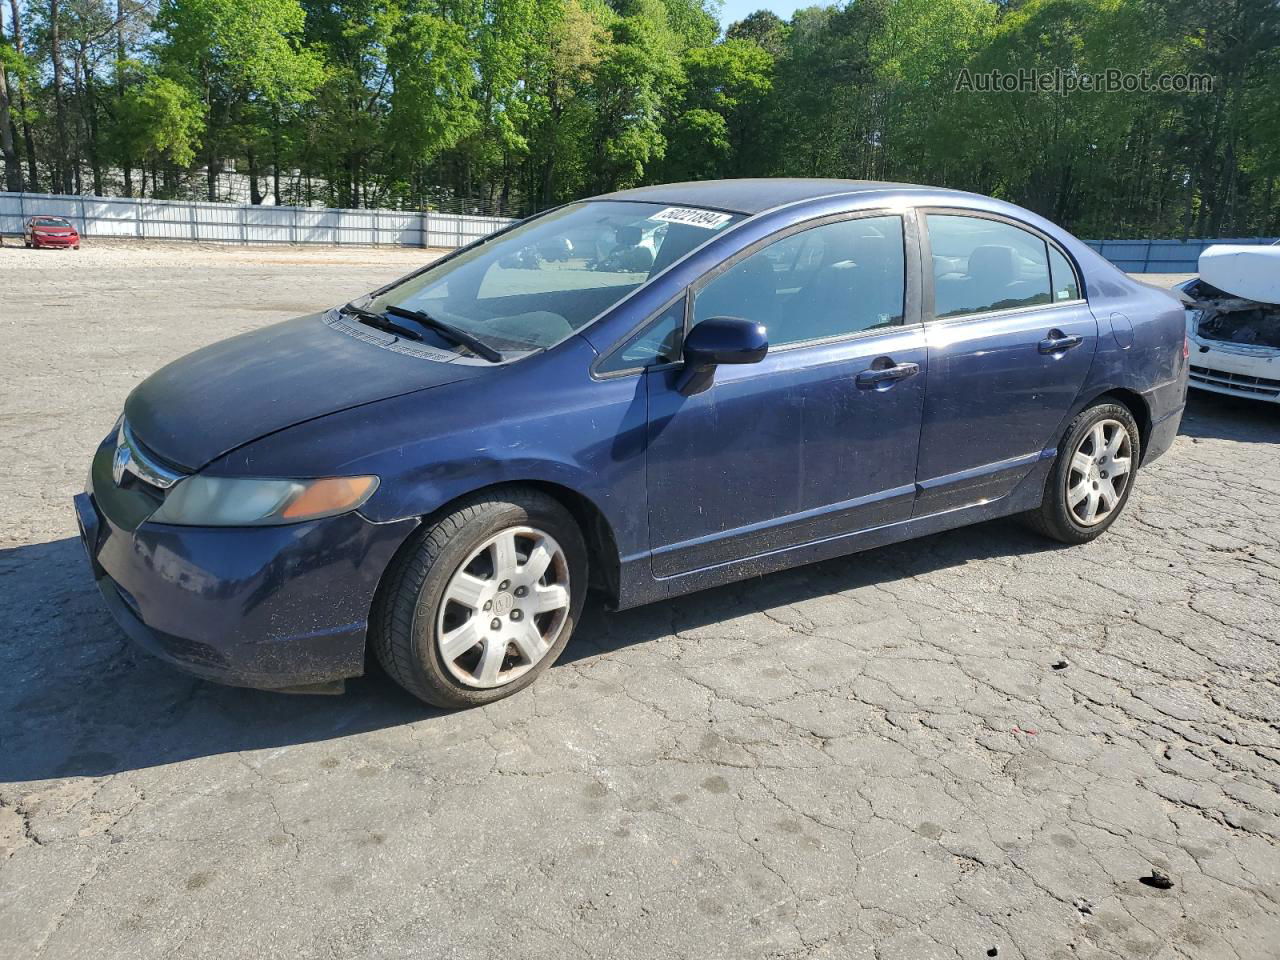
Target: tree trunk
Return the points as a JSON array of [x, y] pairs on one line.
[[125, 160], [33, 172], [12, 171], [89, 120], [275, 155], [62, 162], [12, 168], [255, 194], [1264, 224]]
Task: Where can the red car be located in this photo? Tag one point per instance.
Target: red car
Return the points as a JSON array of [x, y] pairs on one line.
[[50, 232]]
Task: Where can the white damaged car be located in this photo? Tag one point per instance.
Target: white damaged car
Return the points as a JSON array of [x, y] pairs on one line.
[[1233, 321]]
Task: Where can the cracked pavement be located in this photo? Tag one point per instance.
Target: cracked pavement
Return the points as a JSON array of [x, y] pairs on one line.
[[975, 742]]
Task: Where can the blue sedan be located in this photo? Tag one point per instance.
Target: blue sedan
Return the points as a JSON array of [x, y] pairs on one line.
[[646, 393]]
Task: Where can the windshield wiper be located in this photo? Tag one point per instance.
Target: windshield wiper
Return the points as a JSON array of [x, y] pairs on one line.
[[380, 322], [460, 337]]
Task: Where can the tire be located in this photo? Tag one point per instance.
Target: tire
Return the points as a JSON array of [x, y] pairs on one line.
[[461, 553], [1070, 490]]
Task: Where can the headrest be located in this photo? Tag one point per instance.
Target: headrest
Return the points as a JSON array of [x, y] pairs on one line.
[[844, 244], [994, 265]]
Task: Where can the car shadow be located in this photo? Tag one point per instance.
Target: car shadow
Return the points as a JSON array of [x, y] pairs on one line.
[[79, 700], [602, 631], [1222, 417]]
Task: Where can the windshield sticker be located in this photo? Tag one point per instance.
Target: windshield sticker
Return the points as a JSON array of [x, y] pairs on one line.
[[692, 217]]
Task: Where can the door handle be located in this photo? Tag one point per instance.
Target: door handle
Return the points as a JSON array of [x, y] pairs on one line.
[[1058, 342], [870, 379]]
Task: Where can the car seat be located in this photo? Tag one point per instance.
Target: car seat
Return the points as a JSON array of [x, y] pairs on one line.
[[859, 286]]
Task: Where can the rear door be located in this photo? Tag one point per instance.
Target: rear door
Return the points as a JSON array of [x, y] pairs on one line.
[[1010, 341], [818, 439]]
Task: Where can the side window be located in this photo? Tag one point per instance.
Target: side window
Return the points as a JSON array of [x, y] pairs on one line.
[[828, 281], [981, 265], [1065, 285], [659, 342]]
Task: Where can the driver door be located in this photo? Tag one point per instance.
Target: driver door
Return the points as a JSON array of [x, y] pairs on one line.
[[815, 440]]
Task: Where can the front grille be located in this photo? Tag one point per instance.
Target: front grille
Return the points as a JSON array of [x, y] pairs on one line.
[[1236, 381], [125, 504], [143, 466]]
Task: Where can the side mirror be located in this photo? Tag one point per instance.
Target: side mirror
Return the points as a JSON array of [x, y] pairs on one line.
[[716, 341]]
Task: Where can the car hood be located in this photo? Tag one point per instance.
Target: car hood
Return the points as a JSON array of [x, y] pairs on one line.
[[230, 393]]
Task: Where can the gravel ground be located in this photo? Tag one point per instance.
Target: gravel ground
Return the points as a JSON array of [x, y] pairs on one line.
[[972, 745]]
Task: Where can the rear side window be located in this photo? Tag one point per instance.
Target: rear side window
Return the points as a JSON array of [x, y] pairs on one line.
[[983, 265], [1065, 284]]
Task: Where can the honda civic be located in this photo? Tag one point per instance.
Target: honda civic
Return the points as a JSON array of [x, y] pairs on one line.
[[645, 393]]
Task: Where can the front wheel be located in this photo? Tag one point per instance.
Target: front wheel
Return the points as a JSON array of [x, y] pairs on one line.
[[1092, 475], [483, 599]]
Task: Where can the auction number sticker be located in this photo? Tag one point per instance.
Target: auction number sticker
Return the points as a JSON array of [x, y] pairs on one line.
[[693, 217]]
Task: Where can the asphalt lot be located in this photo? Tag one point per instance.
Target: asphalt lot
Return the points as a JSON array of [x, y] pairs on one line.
[[971, 743]]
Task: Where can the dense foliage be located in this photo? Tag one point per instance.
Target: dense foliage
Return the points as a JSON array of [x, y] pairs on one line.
[[520, 104]]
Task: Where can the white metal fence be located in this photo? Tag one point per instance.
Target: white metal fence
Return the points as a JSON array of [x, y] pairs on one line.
[[239, 223], [1163, 256], [244, 223]]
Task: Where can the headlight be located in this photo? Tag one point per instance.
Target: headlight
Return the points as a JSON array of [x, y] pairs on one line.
[[201, 501]]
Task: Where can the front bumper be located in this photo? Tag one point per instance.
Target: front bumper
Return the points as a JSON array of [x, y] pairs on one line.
[[1234, 369], [265, 607], [59, 242]]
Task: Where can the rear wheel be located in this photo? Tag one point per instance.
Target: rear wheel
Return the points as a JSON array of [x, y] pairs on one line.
[[1092, 475], [483, 600]]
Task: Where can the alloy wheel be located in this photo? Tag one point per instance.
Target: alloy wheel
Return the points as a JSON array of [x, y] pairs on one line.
[[503, 608], [1099, 472]]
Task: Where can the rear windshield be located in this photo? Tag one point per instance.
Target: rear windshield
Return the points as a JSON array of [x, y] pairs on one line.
[[535, 285]]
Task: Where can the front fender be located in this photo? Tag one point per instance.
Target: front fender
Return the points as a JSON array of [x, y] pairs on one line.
[[543, 419]]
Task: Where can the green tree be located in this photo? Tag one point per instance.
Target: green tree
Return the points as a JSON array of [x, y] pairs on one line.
[[236, 52], [525, 103], [432, 80], [763, 27], [817, 118], [161, 120], [560, 111], [718, 130], [635, 81]]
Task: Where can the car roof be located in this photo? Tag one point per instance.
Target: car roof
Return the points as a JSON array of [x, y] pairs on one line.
[[752, 196]]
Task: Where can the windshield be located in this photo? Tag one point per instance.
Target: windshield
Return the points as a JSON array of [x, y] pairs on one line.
[[534, 286], [51, 222]]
